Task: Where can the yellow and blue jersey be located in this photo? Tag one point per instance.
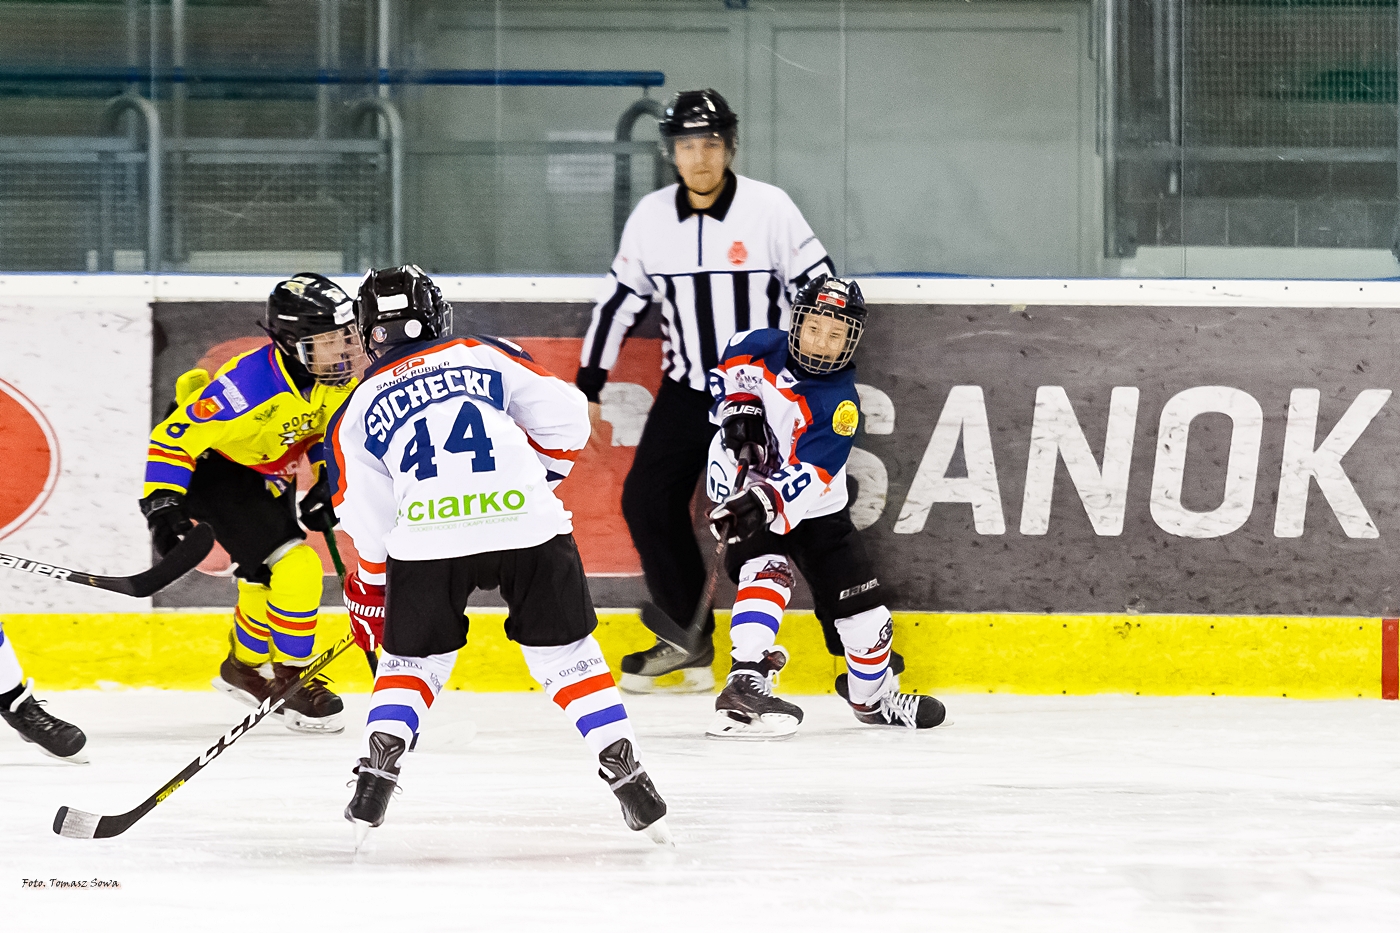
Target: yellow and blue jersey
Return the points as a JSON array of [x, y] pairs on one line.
[[250, 412]]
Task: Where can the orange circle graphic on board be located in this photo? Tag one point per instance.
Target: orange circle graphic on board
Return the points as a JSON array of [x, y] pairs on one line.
[[29, 451]]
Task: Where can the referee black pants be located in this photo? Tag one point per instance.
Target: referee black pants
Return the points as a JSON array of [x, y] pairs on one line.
[[657, 493]]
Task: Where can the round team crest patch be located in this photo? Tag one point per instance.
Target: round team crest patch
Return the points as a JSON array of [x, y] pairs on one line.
[[738, 253], [845, 419]]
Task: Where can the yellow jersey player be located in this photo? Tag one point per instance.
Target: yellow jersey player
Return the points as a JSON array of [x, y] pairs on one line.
[[227, 456]]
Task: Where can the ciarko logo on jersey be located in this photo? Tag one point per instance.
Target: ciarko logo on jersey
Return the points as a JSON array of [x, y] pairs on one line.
[[845, 419], [472, 506]]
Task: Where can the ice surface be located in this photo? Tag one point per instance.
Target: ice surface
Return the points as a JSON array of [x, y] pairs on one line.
[[1027, 813]]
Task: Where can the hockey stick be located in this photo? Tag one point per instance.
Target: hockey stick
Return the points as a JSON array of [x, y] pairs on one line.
[[179, 561], [79, 824], [669, 630], [370, 657]]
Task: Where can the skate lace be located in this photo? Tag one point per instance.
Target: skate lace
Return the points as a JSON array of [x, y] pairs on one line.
[[901, 706]]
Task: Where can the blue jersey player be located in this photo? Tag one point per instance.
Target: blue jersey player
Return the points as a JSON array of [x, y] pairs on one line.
[[786, 403]]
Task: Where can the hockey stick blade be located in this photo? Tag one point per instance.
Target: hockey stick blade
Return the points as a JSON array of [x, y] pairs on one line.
[[79, 824], [183, 558], [665, 628]]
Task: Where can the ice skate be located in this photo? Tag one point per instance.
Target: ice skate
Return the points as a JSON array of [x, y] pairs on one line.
[[909, 710], [246, 684], [642, 806], [377, 776], [55, 738], [642, 669], [746, 707], [312, 707]]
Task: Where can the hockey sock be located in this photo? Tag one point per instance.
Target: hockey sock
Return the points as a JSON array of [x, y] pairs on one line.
[[867, 637], [250, 632], [577, 679], [765, 586], [11, 677], [293, 602], [404, 690]]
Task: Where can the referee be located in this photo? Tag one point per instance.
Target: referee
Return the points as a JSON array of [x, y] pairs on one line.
[[720, 253]]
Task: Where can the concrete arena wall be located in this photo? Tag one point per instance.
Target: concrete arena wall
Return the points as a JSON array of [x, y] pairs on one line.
[[1303, 615]]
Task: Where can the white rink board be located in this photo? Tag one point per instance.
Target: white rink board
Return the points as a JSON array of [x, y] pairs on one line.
[[1083, 814], [82, 355]]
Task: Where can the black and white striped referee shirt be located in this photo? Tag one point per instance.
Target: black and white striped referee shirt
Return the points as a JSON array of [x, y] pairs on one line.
[[734, 266]]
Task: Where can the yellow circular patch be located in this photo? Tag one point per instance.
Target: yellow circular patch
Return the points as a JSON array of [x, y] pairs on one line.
[[844, 421]]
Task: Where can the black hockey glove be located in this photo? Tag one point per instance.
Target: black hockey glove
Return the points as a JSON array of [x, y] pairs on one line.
[[746, 513], [166, 517], [316, 511], [743, 431]]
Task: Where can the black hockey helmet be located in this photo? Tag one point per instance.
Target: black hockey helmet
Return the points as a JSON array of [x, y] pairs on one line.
[[820, 347], [400, 305], [312, 321], [699, 113]]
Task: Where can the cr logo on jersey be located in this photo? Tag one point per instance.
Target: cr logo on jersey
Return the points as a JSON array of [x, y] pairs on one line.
[[738, 253], [845, 418]]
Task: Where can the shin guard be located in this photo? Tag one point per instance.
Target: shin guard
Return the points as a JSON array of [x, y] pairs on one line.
[[866, 636], [577, 679], [765, 586]]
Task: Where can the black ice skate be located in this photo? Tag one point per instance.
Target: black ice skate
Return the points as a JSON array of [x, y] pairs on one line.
[[746, 707], [909, 710], [642, 669], [56, 738], [244, 683], [377, 776], [312, 707], [642, 806]]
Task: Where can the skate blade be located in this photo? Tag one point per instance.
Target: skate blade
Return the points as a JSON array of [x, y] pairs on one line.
[[660, 833], [765, 727], [694, 680], [308, 725]]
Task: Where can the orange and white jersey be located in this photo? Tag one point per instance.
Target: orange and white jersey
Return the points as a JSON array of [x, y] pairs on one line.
[[454, 447]]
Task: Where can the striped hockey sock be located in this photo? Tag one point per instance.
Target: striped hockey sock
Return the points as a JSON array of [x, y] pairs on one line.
[[293, 604], [866, 637], [577, 679], [404, 691], [251, 636], [765, 586]]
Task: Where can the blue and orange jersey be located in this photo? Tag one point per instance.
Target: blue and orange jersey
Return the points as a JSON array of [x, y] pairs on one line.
[[813, 419], [250, 412]]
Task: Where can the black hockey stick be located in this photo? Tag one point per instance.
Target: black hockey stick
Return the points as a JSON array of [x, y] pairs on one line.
[[668, 629], [370, 657], [180, 560], [79, 824]]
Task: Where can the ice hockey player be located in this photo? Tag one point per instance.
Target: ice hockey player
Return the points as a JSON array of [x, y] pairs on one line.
[[786, 403], [227, 455], [719, 253], [27, 715], [445, 463]]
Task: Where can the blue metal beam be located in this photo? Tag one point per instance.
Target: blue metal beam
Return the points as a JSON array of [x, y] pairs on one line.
[[399, 76]]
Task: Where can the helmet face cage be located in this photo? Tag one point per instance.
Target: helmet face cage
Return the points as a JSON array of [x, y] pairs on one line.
[[332, 357], [820, 365], [400, 305]]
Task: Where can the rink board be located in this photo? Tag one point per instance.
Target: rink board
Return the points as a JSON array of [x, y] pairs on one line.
[[1164, 655]]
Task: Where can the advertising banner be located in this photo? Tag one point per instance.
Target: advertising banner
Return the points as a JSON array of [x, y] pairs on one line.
[[1139, 459], [74, 395]]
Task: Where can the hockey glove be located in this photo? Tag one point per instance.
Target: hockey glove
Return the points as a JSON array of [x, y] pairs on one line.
[[366, 604], [316, 511], [166, 517], [744, 432], [746, 513]]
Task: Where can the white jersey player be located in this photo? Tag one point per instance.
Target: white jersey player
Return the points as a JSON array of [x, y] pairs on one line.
[[444, 468]]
